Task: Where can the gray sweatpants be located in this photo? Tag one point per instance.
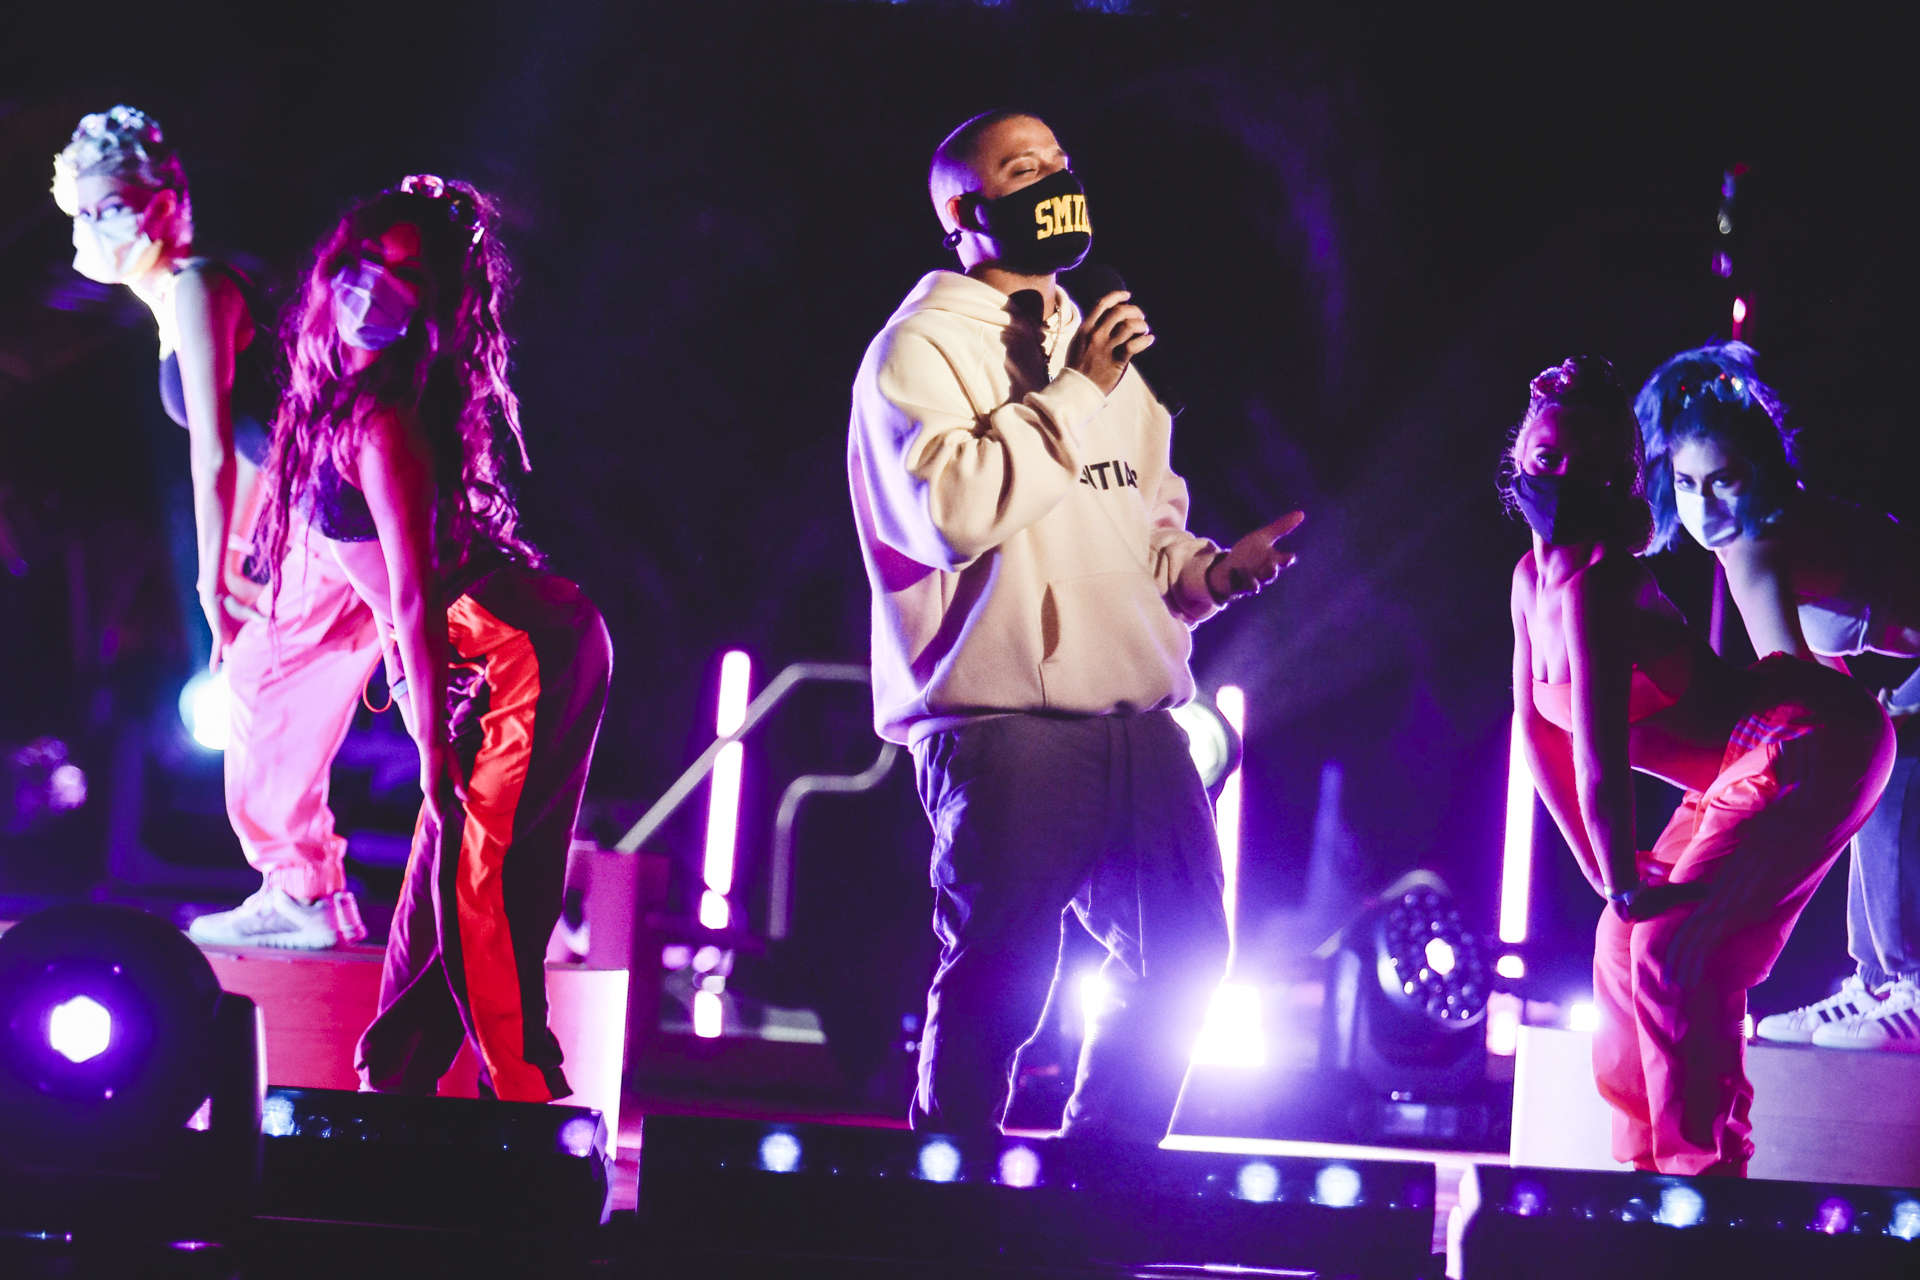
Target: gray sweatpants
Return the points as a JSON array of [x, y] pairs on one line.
[[1034, 816]]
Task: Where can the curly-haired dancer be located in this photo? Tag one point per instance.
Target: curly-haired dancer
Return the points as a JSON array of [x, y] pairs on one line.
[[293, 676], [388, 433], [1781, 764], [1820, 579]]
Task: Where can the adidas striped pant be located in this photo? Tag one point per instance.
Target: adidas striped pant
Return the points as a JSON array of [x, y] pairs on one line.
[[466, 958]]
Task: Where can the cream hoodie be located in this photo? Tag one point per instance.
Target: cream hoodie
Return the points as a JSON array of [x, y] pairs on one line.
[[1025, 536]]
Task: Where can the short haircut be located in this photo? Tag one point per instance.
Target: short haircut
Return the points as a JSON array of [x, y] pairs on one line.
[[1712, 393], [125, 144], [951, 171]]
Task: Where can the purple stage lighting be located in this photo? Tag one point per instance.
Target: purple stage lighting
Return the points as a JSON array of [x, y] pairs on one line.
[[79, 1029], [1833, 1216], [1529, 1199], [1019, 1167], [780, 1152], [939, 1161]]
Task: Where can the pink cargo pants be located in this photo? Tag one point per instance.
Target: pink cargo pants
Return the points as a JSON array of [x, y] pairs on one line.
[[1802, 771], [295, 679]]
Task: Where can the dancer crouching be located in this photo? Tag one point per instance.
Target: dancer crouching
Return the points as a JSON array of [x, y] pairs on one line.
[[387, 434], [1781, 764], [1822, 580]]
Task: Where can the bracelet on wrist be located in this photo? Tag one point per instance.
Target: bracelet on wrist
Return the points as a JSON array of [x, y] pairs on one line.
[[1218, 599]]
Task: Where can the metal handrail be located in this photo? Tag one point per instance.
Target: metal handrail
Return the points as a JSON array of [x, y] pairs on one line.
[[780, 893], [797, 674]]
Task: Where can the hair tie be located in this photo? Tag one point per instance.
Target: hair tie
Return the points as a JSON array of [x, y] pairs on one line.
[[460, 208]]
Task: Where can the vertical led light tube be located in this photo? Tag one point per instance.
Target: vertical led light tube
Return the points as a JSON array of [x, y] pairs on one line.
[[723, 793], [1516, 868], [1232, 703]]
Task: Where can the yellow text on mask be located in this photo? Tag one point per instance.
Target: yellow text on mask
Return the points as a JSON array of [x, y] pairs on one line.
[[1061, 216]]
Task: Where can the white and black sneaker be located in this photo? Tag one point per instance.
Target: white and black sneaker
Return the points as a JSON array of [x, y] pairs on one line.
[[1892, 1025], [1797, 1026], [274, 918]]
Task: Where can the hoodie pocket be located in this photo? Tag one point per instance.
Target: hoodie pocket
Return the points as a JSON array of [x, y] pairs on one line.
[[1109, 642]]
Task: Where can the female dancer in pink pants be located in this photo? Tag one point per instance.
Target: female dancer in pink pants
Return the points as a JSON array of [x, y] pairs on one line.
[[296, 660], [1781, 764]]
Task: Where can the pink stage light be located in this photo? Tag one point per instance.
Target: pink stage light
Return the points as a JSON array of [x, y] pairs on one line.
[[1232, 702], [723, 794], [1516, 868], [1510, 966], [1582, 1016], [706, 1015], [1019, 1167], [1503, 1024]]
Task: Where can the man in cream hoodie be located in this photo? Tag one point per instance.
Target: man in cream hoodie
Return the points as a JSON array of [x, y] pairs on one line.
[[1033, 586]]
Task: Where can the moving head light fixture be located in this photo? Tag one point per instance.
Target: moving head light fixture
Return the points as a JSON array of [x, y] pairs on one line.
[[130, 1084], [1407, 995]]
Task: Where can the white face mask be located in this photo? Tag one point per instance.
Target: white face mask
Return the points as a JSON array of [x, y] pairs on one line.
[[112, 249], [1713, 521]]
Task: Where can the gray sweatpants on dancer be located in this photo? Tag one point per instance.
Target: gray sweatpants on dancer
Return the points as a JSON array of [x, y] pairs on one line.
[[1883, 879], [1034, 816]]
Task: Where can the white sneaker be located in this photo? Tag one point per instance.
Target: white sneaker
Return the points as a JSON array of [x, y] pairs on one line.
[[274, 918], [1798, 1025], [1892, 1025]]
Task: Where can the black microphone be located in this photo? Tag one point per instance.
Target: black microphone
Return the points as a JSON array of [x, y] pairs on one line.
[[1094, 281]]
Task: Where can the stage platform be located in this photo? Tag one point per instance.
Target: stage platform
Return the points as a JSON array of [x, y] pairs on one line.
[[1819, 1115], [315, 1004]]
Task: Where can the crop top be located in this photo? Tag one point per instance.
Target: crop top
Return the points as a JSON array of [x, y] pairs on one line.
[[339, 509], [254, 396], [1656, 686]]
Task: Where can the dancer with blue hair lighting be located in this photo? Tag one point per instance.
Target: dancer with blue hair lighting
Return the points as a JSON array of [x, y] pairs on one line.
[[1823, 580]]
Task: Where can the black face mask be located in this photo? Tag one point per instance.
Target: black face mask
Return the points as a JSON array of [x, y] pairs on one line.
[[1561, 511], [1042, 228]]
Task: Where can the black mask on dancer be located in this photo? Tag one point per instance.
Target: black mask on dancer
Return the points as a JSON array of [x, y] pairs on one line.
[[1561, 511], [1040, 228]]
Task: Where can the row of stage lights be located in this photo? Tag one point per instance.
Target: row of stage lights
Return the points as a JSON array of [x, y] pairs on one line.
[[1020, 1165]]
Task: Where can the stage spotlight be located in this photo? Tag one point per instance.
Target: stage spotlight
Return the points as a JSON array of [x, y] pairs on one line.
[[1257, 1181], [130, 1084], [1510, 966], [1408, 989], [779, 1152], [1020, 1167], [80, 1029], [908, 1203], [206, 708], [1231, 1036], [1337, 1187], [939, 1161], [1583, 1016]]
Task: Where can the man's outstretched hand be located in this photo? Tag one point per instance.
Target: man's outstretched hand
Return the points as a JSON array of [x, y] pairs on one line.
[[1254, 561]]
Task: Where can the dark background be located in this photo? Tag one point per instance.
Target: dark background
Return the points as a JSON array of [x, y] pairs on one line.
[[1357, 235]]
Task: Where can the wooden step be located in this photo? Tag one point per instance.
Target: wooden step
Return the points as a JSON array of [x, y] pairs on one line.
[[315, 1004], [1819, 1115]]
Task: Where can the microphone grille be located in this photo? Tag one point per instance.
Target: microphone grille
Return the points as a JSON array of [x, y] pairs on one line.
[[1093, 282]]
